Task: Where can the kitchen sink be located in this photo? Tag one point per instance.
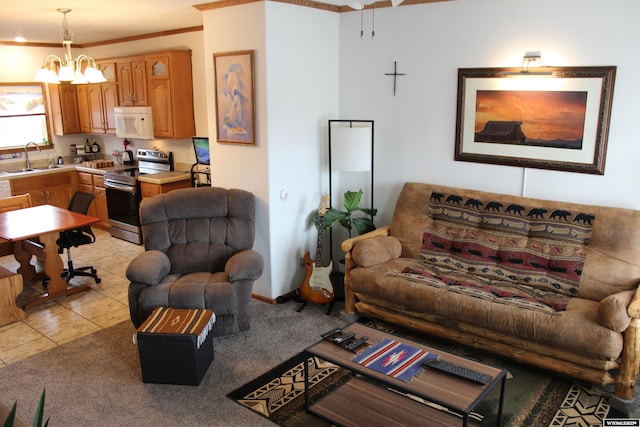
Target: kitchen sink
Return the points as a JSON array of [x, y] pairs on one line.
[[20, 170], [44, 168]]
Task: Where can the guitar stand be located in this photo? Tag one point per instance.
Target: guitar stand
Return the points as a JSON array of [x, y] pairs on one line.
[[304, 304]]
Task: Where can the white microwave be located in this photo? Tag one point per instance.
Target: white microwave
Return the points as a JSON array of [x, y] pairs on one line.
[[134, 122]]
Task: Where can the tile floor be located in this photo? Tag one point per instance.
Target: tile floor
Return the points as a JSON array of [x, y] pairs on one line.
[[66, 319]]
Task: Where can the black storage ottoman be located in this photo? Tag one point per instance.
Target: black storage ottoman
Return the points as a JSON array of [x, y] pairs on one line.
[[175, 346]]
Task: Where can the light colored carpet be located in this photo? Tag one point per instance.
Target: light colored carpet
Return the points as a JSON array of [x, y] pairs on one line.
[[96, 380]]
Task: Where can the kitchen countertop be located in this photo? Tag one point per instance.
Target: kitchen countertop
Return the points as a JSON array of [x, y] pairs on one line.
[[155, 178], [164, 177]]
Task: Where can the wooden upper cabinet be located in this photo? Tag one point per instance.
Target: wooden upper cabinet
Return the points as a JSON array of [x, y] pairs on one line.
[[83, 108], [109, 102], [108, 69], [102, 99], [159, 66], [171, 93], [132, 81], [64, 109], [161, 80]]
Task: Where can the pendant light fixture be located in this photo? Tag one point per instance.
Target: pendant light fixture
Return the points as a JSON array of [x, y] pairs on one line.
[[69, 69]]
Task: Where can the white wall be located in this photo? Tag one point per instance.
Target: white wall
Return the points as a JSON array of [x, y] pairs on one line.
[[296, 71], [302, 82], [415, 130]]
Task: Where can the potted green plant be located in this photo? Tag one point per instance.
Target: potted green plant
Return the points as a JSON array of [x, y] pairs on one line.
[[38, 419], [362, 224]]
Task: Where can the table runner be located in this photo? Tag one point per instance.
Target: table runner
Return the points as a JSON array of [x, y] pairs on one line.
[[168, 320], [394, 358]]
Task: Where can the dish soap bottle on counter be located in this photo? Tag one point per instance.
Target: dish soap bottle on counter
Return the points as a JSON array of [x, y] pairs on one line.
[[87, 147]]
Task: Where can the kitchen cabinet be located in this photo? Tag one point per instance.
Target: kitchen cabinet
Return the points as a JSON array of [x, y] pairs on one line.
[[64, 109], [102, 99], [54, 189], [95, 102], [93, 183], [161, 80], [132, 82], [148, 189], [83, 108], [170, 91]]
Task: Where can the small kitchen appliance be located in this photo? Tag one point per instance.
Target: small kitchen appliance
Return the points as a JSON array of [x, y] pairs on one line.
[[134, 122]]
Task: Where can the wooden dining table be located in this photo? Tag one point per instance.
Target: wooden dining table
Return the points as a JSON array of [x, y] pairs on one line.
[[44, 222]]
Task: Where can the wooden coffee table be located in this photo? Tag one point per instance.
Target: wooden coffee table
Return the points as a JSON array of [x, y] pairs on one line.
[[367, 398]]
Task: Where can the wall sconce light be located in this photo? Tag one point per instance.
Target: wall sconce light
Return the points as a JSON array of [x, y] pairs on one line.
[[530, 59]]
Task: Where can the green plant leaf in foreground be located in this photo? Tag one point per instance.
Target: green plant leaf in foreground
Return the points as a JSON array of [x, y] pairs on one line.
[[8, 422], [37, 421]]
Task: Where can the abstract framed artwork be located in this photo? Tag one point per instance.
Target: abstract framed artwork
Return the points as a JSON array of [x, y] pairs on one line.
[[554, 118], [235, 99]]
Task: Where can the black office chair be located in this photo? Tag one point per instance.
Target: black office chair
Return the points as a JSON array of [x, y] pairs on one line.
[[77, 237]]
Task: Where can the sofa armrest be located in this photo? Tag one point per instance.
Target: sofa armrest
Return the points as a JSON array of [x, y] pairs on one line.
[[375, 251], [244, 265], [348, 244], [149, 267], [634, 307], [347, 247], [612, 311]]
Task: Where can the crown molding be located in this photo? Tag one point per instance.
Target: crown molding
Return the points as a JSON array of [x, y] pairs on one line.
[[309, 3], [112, 41]]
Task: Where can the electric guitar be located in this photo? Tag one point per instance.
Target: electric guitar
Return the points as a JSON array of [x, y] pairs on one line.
[[317, 287]]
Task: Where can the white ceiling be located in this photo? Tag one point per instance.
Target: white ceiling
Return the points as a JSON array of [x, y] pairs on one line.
[[38, 21]]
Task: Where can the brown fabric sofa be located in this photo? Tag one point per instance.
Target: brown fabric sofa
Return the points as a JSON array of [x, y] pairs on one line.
[[550, 284]]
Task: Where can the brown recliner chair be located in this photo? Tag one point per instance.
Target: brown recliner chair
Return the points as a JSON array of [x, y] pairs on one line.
[[198, 254]]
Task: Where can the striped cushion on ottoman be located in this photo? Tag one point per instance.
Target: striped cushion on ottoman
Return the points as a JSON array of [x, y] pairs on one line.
[[175, 345]]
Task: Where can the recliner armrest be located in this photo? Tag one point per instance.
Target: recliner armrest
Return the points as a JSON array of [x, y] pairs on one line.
[[149, 267], [244, 265]]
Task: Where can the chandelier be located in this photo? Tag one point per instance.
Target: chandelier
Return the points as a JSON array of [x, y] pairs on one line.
[[69, 69]]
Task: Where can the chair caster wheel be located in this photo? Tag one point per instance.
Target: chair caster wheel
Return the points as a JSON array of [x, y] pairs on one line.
[[94, 271], [98, 280]]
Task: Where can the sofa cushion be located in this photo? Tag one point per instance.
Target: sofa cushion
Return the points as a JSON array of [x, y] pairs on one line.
[[611, 264], [516, 295], [179, 291], [575, 329], [514, 242], [374, 251]]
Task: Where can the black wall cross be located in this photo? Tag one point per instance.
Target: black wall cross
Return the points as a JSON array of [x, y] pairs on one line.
[[395, 75]]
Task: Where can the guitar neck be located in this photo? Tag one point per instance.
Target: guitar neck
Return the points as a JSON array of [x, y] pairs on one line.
[[320, 240]]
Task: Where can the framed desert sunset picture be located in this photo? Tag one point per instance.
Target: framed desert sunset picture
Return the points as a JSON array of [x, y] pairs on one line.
[[556, 118]]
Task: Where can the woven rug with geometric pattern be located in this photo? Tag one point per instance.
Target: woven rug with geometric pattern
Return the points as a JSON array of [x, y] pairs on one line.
[[533, 397]]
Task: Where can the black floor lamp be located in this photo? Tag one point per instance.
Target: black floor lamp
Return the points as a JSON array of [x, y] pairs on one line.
[[350, 150]]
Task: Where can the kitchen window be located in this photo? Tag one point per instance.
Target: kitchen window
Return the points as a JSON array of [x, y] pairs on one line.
[[23, 116]]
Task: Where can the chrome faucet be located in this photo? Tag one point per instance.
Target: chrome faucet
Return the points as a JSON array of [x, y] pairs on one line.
[[26, 153]]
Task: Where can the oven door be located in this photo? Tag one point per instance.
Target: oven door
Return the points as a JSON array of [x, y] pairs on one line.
[[123, 203]]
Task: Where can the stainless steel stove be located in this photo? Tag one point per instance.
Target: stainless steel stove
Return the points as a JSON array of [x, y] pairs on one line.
[[123, 192]]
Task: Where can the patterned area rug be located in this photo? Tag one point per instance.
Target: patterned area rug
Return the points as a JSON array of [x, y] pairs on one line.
[[533, 398]]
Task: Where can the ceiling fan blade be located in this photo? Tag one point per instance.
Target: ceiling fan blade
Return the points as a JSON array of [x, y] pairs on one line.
[[395, 3], [355, 4]]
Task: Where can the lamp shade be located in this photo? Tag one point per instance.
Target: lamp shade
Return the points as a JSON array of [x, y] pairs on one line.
[[66, 74], [351, 148]]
